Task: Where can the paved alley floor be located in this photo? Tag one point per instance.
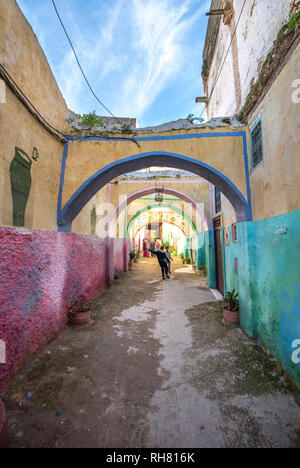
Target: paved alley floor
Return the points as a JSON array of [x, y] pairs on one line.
[[155, 368]]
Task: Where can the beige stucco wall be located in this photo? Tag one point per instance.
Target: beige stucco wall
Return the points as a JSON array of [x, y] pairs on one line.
[[19, 128], [85, 158], [258, 27], [275, 185], [164, 214], [82, 223], [25, 61], [109, 198], [227, 213]]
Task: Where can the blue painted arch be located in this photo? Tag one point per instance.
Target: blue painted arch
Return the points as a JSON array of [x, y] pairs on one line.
[[141, 161]]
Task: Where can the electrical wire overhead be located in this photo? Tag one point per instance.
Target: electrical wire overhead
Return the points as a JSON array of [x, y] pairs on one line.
[[80, 67]]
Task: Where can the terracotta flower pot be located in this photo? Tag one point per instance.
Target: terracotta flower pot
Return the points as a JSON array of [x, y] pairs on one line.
[[231, 317], [3, 427], [80, 318]]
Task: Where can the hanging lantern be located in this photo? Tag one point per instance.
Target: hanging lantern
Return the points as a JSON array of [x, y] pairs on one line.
[[159, 197]]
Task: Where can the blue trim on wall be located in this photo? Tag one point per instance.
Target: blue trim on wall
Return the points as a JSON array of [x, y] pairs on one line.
[[61, 183], [247, 174], [247, 204], [162, 138]]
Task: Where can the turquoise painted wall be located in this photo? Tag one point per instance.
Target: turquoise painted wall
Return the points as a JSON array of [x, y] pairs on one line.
[[199, 245], [210, 258], [268, 282], [187, 247], [231, 252]]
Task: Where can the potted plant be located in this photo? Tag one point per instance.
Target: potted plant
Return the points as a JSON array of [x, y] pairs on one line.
[[80, 313], [231, 308], [132, 256]]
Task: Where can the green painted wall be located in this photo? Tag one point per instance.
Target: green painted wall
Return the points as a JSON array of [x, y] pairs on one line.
[[210, 258], [200, 255], [231, 252], [187, 247]]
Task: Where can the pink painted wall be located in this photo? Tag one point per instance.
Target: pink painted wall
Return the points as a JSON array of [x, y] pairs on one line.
[[41, 274], [121, 254]]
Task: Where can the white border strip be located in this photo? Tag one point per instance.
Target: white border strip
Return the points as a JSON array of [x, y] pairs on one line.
[[217, 294]]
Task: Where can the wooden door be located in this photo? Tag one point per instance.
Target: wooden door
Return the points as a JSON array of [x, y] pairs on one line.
[[219, 255]]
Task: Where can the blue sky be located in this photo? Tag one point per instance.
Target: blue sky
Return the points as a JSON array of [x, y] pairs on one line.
[[142, 57]]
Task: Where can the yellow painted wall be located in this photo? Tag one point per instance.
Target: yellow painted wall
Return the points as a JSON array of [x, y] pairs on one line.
[[275, 185], [19, 128], [25, 61], [82, 223], [198, 190], [85, 158]]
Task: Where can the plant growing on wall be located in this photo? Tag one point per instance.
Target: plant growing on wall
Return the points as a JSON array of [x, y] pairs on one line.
[[193, 119], [92, 120], [125, 128]]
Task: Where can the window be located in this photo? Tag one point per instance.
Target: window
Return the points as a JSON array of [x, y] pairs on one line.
[[256, 145], [218, 204], [234, 233]]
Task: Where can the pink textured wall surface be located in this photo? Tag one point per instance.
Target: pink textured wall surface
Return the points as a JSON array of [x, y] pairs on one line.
[[41, 274], [121, 254]]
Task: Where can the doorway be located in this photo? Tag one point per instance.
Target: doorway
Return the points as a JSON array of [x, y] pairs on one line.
[[219, 255]]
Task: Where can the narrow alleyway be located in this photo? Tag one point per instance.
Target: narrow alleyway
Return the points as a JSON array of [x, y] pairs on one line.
[[155, 368]]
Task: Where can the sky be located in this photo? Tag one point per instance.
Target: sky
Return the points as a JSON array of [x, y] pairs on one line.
[[143, 58]]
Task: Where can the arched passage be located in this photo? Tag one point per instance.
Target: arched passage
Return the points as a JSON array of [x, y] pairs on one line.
[[180, 236], [140, 161], [162, 222], [166, 190], [157, 206]]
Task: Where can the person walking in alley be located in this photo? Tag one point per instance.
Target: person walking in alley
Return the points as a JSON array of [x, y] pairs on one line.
[[163, 262], [169, 259], [145, 248], [152, 248]]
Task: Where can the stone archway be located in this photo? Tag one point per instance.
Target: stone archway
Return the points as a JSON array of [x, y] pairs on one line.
[[166, 190], [140, 161], [157, 206]]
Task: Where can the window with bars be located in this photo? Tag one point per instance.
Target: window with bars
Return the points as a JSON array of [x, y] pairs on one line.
[[218, 204], [256, 145]]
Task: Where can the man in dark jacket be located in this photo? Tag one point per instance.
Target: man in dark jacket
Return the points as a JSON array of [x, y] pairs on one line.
[[163, 262]]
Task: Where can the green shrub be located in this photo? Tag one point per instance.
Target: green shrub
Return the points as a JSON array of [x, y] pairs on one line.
[[231, 300], [91, 120]]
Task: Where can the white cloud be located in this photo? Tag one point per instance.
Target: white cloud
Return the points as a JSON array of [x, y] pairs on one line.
[[159, 43], [130, 50]]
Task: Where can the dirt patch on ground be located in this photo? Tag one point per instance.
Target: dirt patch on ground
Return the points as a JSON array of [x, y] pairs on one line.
[[155, 368]]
